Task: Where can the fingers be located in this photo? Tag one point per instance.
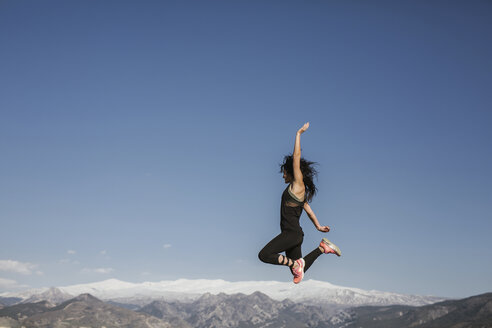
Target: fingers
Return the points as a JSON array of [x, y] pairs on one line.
[[304, 127]]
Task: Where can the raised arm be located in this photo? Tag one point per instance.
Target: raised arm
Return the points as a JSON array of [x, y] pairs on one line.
[[313, 218], [296, 157]]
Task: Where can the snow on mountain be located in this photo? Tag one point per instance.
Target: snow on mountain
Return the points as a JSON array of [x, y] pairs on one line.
[[53, 295], [309, 291]]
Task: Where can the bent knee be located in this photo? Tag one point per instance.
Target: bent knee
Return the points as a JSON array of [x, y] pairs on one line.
[[263, 256]]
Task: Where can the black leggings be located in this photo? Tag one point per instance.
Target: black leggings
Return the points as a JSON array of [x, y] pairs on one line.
[[289, 242]]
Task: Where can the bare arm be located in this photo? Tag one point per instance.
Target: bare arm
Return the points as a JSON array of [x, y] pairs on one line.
[[313, 218], [298, 184]]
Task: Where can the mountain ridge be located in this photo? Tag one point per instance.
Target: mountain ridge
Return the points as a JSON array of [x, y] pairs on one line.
[[470, 312], [81, 311], [240, 311], [187, 290]]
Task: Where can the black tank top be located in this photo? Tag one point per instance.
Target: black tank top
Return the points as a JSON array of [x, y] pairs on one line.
[[290, 211]]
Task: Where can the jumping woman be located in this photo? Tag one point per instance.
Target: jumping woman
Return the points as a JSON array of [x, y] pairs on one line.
[[298, 173]]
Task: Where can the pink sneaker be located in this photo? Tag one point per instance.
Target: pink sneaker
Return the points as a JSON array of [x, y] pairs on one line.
[[329, 247], [299, 272]]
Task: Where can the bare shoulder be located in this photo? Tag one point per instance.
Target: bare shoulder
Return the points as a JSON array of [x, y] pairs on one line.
[[298, 189]]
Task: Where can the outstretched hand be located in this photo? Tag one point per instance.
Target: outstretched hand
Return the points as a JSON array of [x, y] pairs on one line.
[[324, 228], [304, 128]]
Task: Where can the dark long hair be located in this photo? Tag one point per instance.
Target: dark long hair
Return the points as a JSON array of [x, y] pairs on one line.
[[308, 174]]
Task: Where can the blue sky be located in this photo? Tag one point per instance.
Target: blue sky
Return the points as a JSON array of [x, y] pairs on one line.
[[140, 140]]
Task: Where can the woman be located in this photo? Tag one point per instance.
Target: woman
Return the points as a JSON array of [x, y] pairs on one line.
[[298, 173]]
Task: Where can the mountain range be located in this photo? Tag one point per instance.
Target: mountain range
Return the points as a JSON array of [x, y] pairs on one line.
[[240, 311], [471, 312], [308, 292], [81, 311]]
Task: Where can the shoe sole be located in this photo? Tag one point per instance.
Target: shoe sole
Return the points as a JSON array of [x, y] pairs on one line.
[[332, 246]]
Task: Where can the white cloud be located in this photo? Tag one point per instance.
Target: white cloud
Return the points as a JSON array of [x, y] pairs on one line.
[[68, 261], [166, 246], [71, 252], [17, 267], [7, 283], [104, 254], [98, 270]]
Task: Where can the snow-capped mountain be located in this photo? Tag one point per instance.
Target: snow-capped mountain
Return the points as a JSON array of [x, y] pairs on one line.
[[309, 291], [239, 310]]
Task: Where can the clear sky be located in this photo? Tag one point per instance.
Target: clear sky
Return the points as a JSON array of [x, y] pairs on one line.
[[141, 140]]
